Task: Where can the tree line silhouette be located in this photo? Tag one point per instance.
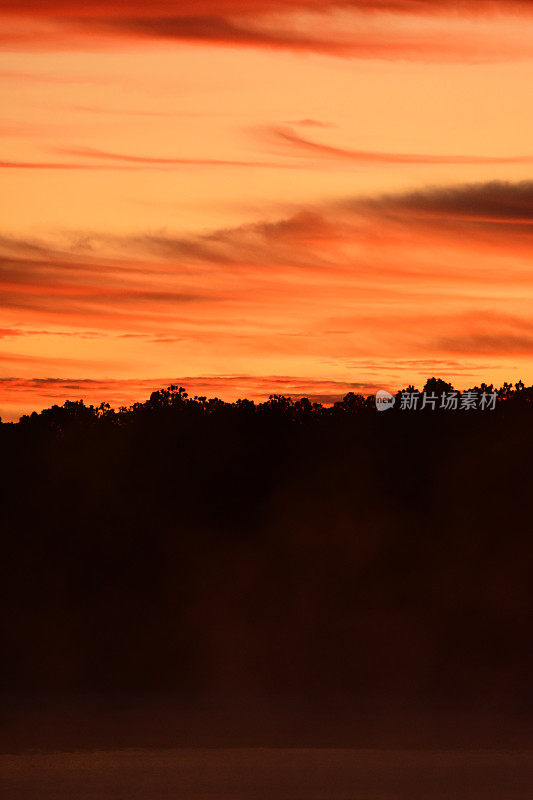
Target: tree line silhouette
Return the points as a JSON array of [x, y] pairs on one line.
[[175, 398], [284, 550]]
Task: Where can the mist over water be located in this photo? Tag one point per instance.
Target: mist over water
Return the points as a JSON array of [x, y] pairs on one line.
[[270, 774]]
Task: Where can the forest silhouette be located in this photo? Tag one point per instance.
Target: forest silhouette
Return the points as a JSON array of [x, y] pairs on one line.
[[283, 553]]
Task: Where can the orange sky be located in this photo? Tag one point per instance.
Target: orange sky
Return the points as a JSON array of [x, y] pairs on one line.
[[254, 197]]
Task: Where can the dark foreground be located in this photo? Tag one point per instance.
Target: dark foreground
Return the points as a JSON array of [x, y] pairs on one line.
[[269, 774], [197, 574]]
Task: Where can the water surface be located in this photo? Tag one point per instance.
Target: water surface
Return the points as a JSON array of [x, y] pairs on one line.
[[269, 774]]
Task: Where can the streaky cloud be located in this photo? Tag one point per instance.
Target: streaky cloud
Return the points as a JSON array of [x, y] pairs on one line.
[[301, 144], [104, 155]]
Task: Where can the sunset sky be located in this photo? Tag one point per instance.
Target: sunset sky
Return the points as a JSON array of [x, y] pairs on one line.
[[256, 196]]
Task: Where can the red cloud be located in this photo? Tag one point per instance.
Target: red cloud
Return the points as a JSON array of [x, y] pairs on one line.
[[266, 24], [91, 8]]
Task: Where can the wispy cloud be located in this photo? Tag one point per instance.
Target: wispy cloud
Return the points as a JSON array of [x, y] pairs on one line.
[[299, 144], [491, 202], [494, 343], [311, 123], [58, 165], [162, 161]]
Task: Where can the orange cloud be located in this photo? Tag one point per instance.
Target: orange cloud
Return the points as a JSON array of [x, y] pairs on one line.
[[314, 251], [379, 286]]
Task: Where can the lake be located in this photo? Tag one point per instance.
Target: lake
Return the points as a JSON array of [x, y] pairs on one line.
[[269, 774]]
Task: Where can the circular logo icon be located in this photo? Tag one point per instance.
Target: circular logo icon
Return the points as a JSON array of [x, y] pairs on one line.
[[384, 400]]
